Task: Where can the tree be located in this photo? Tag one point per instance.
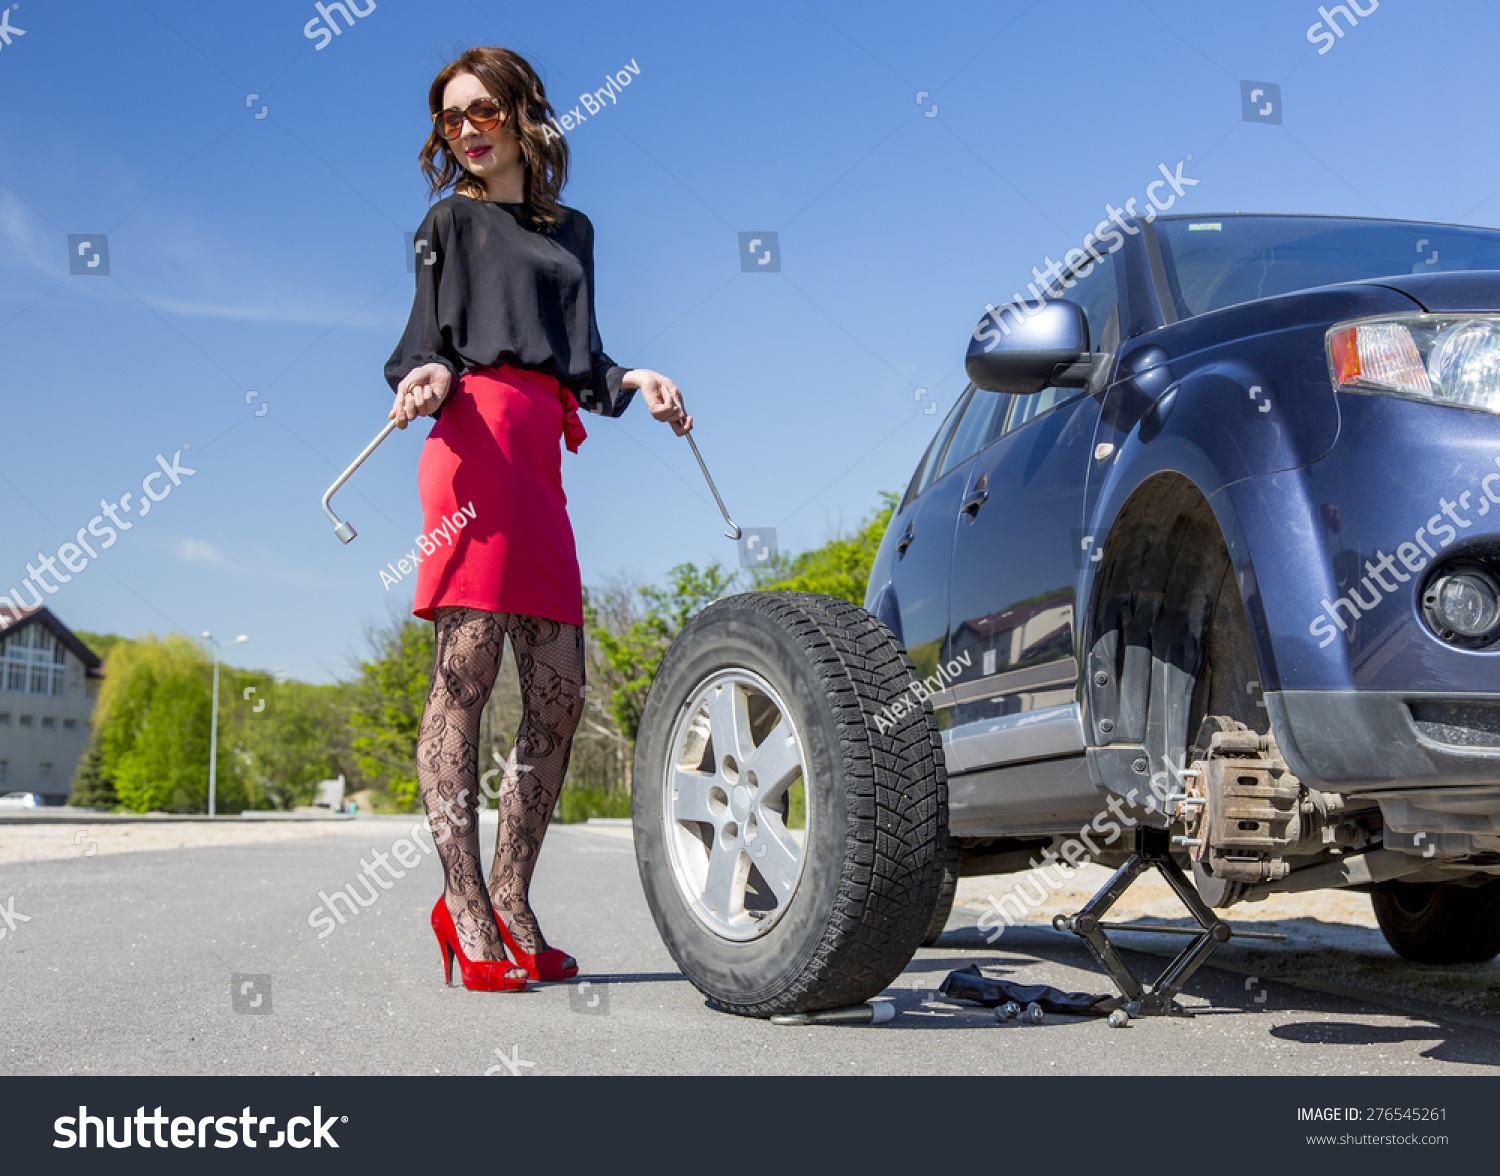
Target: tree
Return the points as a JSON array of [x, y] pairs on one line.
[[103, 644], [386, 703], [152, 727], [632, 650], [841, 567], [91, 787], [632, 626], [301, 738]]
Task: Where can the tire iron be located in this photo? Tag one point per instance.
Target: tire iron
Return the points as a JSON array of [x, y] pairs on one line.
[[870, 1013]]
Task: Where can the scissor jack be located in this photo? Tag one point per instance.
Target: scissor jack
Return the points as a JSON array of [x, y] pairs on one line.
[[1152, 848]]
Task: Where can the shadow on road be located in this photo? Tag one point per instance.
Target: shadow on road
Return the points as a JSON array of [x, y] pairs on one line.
[[1033, 955]]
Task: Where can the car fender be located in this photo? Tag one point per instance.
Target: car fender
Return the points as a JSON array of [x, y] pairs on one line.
[[886, 607], [1276, 536]]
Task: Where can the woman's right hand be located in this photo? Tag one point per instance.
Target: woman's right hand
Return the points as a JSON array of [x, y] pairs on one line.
[[420, 393]]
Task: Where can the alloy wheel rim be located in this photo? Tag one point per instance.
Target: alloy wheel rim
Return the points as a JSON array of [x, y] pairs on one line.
[[736, 759]]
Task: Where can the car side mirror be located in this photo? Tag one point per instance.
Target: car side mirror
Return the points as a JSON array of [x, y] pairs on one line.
[[1017, 349]]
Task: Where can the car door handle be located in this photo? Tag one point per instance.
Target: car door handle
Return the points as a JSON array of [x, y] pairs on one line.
[[905, 540], [974, 501]]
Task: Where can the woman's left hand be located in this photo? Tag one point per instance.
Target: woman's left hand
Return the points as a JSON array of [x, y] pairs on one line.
[[662, 398]]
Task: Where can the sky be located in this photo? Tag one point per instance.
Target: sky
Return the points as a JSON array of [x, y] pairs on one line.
[[907, 164]]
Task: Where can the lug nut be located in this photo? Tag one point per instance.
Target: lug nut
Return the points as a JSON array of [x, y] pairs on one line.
[[1009, 1011], [1033, 1014], [1119, 1019]]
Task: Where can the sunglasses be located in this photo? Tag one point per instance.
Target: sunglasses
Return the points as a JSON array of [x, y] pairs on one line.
[[483, 113]]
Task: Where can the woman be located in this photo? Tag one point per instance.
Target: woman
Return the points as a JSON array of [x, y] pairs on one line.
[[500, 350]]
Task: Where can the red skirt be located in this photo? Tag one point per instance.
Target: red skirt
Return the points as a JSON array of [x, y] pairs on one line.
[[495, 530]]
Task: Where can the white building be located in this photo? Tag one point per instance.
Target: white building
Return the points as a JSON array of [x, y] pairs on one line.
[[48, 682]]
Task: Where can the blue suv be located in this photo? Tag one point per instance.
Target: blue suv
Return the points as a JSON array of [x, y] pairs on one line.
[[1208, 551], [1212, 542]]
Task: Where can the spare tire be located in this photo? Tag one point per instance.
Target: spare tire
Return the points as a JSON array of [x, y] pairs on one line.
[[951, 864], [763, 699]]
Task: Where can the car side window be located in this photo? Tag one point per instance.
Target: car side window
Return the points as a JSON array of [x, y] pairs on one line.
[[1096, 294], [973, 429], [928, 466]]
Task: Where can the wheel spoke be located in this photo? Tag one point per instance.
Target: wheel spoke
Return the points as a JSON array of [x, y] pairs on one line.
[[690, 796], [777, 761], [724, 801], [776, 855], [724, 889], [729, 721]]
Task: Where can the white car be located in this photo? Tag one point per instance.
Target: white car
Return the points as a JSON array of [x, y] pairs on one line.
[[26, 800]]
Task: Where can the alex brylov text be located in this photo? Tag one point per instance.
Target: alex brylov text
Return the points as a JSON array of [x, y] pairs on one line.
[[593, 103], [427, 544], [920, 690]]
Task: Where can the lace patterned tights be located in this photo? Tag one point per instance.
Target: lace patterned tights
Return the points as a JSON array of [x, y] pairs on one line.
[[549, 659]]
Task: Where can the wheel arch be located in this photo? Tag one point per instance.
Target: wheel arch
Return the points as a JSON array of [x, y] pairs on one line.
[[1173, 565]]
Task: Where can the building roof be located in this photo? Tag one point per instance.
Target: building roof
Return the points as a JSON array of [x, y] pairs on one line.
[[11, 624]]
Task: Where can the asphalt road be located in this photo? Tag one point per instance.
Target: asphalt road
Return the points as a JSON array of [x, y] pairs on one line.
[[124, 962]]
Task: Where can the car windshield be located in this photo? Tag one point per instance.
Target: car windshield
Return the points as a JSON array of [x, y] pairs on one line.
[[1213, 263]]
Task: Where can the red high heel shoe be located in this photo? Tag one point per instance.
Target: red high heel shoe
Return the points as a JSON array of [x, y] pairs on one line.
[[478, 975], [552, 964]]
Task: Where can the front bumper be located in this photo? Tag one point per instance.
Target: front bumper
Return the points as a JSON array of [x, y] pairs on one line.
[[1431, 761]]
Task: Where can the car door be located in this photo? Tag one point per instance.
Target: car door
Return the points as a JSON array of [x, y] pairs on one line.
[[920, 570], [1017, 553]]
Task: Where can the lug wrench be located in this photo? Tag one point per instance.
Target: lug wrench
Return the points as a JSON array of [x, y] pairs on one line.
[[734, 527], [343, 530], [346, 531]]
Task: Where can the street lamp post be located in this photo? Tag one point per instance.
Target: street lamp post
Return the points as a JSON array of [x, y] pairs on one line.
[[213, 729]]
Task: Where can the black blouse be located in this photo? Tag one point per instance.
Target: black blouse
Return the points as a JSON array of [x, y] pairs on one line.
[[491, 291]]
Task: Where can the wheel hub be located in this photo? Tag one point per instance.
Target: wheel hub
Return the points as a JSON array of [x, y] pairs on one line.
[[735, 757]]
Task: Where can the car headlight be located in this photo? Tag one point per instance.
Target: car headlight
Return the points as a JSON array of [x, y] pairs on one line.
[[1450, 359]]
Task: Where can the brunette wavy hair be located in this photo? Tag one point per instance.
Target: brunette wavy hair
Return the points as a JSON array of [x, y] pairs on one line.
[[510, 80]]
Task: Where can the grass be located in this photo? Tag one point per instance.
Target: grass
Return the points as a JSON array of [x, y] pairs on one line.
[[578, 804]]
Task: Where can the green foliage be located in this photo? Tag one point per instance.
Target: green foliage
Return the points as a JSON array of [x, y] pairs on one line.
[[152, 728], [101, 643], [91, 787], [633, 628], [579, 803], [301, 738], [151, 723], [841, 567], [385, 707], [633, 649]]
